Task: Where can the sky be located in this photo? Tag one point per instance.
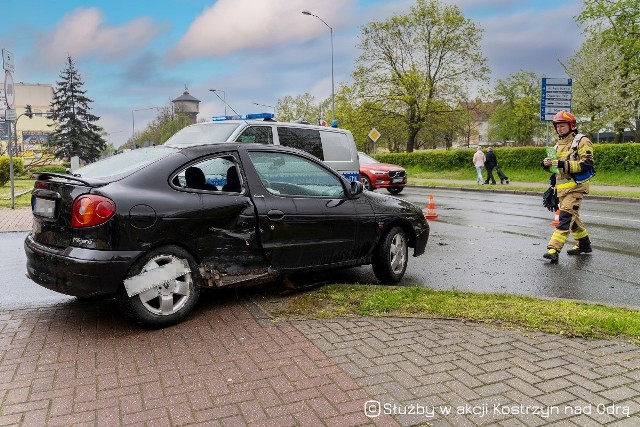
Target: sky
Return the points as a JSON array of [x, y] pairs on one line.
[[136, 55]]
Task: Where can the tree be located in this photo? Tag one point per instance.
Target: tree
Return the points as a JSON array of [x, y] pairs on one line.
[[74, 130], [618, 24], [301, 107], [416, 66], [470, 114], [360, 118], [163, 127], [596, 87], [517, 116]]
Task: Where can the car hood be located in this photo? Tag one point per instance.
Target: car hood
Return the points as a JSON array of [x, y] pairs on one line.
[[383, 203], [381, 166]]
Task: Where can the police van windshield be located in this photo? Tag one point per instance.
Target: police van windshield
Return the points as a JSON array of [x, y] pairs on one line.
[[205, 133]]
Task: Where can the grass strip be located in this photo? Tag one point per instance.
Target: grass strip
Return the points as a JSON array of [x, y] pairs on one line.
[[569, 318]]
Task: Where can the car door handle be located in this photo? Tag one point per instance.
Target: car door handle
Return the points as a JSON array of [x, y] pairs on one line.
[[275, 215]]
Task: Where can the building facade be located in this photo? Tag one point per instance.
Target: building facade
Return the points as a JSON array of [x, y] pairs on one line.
[[30, 135]]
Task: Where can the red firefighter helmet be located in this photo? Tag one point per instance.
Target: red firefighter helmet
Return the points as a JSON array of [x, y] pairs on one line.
[[565, 117]]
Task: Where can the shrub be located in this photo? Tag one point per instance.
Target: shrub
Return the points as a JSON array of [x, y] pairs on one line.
[[18, 168], [50, 168], [613, 157]]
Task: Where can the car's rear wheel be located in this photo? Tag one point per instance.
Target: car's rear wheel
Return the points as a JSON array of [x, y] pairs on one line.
[[166, 298], [391, 256], [395, 190], [366, 182]]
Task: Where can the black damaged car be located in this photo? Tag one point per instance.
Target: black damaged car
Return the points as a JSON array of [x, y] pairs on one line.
[[155, 225]]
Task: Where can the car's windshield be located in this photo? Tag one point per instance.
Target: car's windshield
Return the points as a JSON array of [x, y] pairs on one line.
[[366, 159], [124, 163], [203, 134]]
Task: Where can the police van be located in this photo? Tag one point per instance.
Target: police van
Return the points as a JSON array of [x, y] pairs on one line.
[[334, 146]]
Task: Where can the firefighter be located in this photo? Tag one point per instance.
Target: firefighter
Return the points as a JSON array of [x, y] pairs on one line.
[[574, 165]]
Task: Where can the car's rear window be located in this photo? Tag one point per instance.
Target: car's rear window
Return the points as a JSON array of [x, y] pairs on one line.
[[203, 134], [124, 163]]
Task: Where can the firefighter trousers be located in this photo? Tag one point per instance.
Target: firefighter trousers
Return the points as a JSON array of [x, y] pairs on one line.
[[569, 218]]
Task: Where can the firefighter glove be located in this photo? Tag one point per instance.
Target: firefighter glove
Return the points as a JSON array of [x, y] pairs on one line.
[[550, 199]]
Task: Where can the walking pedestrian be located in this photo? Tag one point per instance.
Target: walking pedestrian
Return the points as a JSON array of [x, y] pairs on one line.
[[478, 162], [575, 167], [490, 163]]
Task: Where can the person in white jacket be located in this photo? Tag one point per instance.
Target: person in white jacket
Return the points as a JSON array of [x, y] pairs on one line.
[[478, 162]]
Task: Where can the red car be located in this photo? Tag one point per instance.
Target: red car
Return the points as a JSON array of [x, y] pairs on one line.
[[374, 174]]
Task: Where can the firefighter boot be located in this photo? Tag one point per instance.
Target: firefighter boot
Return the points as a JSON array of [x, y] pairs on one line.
[[552, 254], [583, 247]]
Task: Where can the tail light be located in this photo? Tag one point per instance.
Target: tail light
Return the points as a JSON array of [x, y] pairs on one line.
[[90, 209]]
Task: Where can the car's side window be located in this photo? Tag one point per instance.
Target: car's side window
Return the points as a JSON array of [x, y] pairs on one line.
[[256, 134], [285, 174], [213, 174]]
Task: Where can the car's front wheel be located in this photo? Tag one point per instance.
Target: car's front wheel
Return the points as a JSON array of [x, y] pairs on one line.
[[395, 190], [391, 256], [166, 287], [366, 182]]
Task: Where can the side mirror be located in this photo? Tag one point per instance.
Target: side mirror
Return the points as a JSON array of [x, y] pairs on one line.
[[356, 188]]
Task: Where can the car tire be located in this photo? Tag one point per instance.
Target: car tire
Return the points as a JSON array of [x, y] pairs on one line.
[[366, 183], [395, 190], [391, 256], [167, 303]]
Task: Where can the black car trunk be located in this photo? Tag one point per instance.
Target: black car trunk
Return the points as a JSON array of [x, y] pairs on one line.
[[52, 204]]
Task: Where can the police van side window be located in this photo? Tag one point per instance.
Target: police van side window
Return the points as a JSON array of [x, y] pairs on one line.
[[303, 139], [256, 134], [336, 147]]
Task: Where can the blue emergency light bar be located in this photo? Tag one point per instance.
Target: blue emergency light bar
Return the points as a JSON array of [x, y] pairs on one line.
[[222, 118], [253, 116], [256, 116]]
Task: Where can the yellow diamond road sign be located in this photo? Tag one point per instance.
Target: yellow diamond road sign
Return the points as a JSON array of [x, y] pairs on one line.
[[374, 135]]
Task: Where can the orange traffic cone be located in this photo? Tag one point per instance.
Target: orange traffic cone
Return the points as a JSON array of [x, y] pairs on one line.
[[431, 209], [556, 220]]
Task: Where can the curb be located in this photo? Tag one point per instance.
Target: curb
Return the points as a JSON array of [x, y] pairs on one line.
[[525, 192]]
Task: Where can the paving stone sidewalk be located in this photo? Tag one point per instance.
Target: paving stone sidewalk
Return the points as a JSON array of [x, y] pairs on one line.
[[229, 365], [18, 219]]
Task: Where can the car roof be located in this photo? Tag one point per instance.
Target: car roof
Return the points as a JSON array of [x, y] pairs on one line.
[[270, 123]]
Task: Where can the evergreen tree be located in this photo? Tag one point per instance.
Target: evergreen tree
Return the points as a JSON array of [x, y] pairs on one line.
[[75, 132]]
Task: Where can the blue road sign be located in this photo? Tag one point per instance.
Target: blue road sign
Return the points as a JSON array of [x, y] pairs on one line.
[[555, 96]]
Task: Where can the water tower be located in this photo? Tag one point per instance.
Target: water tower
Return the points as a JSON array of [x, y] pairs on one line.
[[187, 104]]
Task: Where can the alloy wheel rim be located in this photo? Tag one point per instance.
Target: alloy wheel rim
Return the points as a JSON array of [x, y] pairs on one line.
[[398, 251], [172, 295]]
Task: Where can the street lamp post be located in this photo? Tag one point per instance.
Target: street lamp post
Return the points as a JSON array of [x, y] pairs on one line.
[[223, 99], [268, 106], [333, 97], [133, 123]]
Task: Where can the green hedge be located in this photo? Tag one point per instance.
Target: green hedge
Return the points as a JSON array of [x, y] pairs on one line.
[[18, 168], [614, 157], [50, 168]]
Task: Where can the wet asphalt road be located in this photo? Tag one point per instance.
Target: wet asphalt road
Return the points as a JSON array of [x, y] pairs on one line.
[[480, 242], [494, 242], [15, 288]]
